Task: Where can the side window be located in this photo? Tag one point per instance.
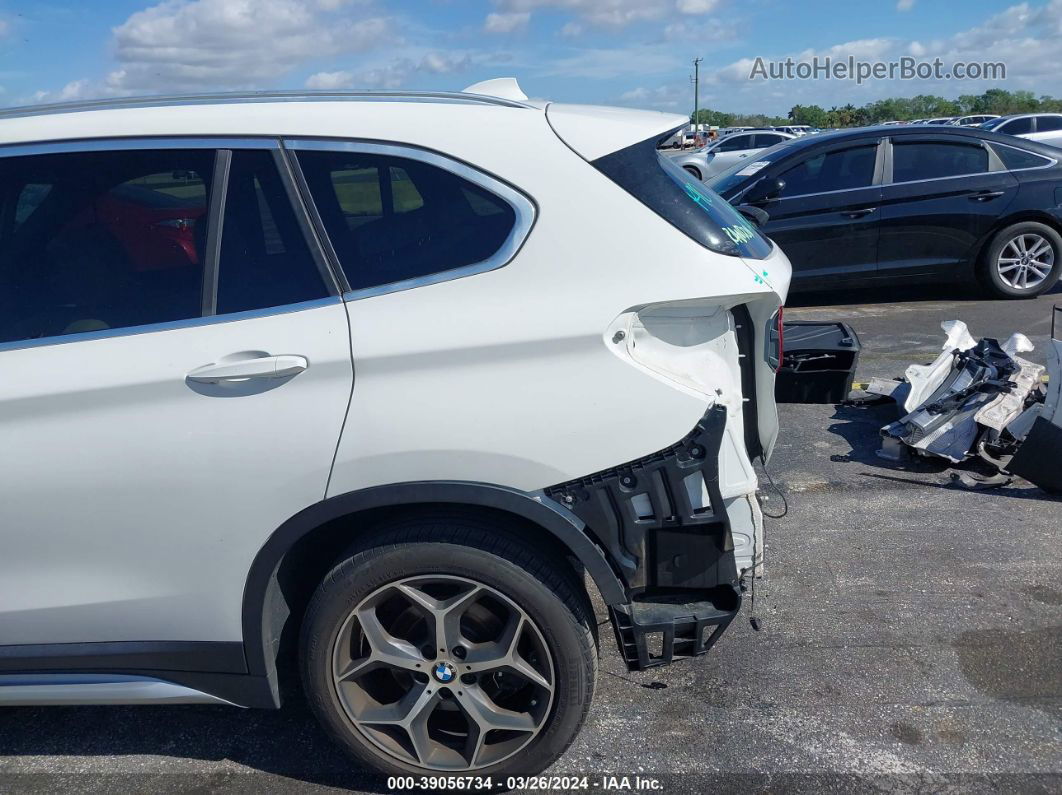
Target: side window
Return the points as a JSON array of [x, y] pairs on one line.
[[1014, 158], [390, 218], [1017, 126], [764, 140], [736, 143], [1048, 123], [934, 160], [265, 260], [102, 240], [842, 169]]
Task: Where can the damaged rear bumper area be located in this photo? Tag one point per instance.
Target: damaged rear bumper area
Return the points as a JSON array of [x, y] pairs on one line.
[[663, 522]]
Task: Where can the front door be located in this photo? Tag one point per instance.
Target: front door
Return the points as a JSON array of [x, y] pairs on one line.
[[826, 218], [174, 385]]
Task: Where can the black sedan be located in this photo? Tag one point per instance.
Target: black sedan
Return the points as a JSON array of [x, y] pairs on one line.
[[909, 204]]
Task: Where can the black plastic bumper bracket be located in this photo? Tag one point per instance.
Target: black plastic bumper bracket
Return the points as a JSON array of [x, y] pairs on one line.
[[684, 630]]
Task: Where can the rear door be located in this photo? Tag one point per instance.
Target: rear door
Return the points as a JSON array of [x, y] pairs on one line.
[[176, 371], [943, 195], [826, 218]]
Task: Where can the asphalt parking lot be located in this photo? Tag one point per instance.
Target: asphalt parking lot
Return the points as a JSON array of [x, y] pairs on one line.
[[911, 637]]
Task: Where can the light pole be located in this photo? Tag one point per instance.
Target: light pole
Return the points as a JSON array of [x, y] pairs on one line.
[[696, 94]]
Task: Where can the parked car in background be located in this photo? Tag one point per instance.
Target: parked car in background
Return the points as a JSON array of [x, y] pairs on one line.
[[940, 120], [973, 121], [201, 504], [1044, 128], [909, 204], [725, 131], [794, 129], [721, 155]]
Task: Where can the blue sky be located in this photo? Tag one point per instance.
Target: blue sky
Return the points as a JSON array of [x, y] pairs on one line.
[[629, 52]]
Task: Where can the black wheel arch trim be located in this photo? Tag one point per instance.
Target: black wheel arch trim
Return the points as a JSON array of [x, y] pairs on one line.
[[260, 640]]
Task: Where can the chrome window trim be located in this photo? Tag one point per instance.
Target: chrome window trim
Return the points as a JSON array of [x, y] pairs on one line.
[[524, 208], [169, 325], [137, 143]]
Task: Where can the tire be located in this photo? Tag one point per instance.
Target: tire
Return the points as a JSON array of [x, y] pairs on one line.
[[695, 172], [1007, 261], [438, 558]]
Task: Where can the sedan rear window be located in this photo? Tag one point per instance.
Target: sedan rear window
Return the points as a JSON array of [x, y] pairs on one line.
[[683, 201]]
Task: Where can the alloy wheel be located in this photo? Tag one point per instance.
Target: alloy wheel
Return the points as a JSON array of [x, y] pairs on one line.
[[443, 673], [1026, 261]]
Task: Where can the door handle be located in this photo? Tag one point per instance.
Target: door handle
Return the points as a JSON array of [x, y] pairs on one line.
[[859, 213], [244, 369], [985, 195]]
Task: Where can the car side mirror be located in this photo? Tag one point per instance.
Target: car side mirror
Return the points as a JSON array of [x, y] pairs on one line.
[[757, 216], [764, 190]]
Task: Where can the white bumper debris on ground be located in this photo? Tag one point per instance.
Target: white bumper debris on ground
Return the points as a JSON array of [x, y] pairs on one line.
[[981, 400]]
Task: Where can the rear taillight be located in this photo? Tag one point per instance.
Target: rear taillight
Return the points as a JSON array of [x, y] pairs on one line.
[[776, 341]]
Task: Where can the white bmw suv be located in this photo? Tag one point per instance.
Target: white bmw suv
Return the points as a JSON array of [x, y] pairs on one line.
[[289, 380]]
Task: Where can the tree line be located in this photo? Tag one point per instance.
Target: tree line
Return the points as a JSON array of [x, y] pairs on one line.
[[995, 101]]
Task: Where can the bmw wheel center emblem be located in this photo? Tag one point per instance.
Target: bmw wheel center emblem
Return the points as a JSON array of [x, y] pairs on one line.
[[444, 672]]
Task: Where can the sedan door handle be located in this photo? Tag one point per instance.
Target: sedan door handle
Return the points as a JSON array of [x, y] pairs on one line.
[[985, 195], [243, 369], [859, 213]]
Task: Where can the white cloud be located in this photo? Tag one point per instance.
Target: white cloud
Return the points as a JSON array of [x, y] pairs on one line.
[[904, 5], [610, 13], [506, 22], [668, 97], [697, 6], [712, 30], [391, 75], [326, 81], [72, 91], [195, 44], [607, 63], [1023, 36]]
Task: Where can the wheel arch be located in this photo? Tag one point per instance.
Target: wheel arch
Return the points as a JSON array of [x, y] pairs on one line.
[[1019, 217], [318, 534]]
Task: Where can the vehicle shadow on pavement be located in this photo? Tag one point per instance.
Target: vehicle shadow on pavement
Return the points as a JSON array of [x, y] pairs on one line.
[[860, 427], [286, 743]]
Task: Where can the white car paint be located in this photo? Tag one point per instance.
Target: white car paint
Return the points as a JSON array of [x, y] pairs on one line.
[[135, 502]]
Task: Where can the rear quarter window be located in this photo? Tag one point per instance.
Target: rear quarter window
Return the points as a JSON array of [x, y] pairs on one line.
[[683, 201]]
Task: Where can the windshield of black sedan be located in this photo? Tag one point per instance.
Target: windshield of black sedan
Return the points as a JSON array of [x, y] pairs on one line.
[[725, 181]]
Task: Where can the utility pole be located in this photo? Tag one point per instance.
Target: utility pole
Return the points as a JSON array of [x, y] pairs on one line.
[[696, 94]]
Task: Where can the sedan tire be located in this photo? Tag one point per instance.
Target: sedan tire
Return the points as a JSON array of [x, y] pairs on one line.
[[451, 646], [696, 174], [1023, 261]]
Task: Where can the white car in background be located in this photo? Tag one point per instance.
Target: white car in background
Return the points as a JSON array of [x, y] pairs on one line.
[[1044, 128], [724, 153], [339, 384], [973, 121]]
